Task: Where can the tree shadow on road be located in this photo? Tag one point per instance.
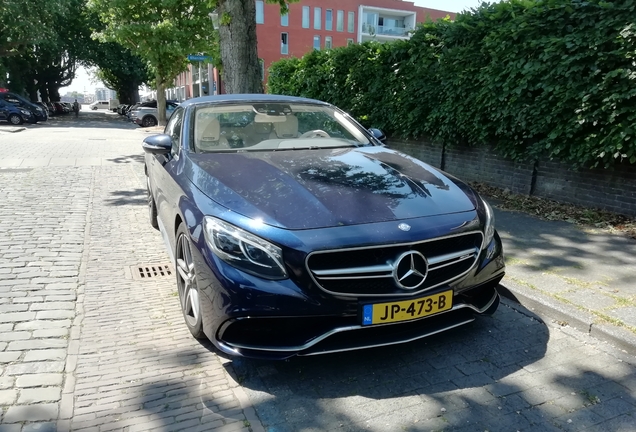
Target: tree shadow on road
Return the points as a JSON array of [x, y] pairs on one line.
[[86, 119], [128, 197], [491, 375], [136, 158]]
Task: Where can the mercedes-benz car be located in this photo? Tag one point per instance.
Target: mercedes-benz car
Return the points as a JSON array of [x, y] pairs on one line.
[[296, 231]]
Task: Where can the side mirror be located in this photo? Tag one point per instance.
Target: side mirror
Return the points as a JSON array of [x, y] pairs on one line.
[[157, 144], [378, 134]]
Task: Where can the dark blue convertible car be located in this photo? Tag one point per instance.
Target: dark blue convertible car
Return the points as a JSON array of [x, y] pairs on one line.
[[296, 231]]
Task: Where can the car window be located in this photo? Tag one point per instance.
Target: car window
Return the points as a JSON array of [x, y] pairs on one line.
[[272, 126], [173, 128]]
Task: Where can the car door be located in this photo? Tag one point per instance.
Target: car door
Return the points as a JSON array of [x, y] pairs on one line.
[[3, 110], [165, 169]]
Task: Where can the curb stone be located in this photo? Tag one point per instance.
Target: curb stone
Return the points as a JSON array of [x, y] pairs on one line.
[[12, 129], [565, 314], [246, 404]]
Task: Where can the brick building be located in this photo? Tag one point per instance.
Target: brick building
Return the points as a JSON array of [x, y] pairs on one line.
[[313, 24]]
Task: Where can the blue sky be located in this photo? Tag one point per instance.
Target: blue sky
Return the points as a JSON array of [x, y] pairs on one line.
[[449, 5]]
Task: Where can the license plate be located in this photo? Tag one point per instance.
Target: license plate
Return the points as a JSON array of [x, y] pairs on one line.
[[382, 313]]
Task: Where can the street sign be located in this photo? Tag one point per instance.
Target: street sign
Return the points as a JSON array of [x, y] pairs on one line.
[[194, 57]]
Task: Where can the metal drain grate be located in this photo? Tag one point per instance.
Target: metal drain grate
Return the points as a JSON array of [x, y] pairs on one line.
[[151, 271]]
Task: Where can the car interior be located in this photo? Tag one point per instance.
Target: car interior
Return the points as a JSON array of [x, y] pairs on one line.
[[275, 126]]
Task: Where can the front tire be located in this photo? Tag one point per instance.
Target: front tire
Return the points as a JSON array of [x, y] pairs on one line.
[[15, 119], [187, 284], [149, 121]]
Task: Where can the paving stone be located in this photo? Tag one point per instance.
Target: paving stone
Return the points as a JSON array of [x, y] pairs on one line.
[[7, 397], [34, 344], [40, 380], [9, 356], [16, 316], [41, 394], [35, 368], [58, 332], [55, 314], [46, 354], [35, 412], [43, 324]]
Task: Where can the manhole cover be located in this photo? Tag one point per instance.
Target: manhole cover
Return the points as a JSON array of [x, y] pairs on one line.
[[150, 271]]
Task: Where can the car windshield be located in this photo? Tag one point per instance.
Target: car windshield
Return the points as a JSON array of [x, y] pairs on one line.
[[272, 126]]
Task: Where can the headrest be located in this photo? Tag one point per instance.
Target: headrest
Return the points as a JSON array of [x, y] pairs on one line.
[[212, 131], [288, 128]]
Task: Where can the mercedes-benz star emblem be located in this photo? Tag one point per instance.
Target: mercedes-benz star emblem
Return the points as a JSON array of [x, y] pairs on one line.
[[404, 227], [410, 270]]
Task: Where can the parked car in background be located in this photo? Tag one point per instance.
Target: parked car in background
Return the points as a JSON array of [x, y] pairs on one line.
[[60, 108], [99, 105], [146, 116], [19, 101], [15, 114], [113, 104], [51, 108], [44, 106], [295, 231]]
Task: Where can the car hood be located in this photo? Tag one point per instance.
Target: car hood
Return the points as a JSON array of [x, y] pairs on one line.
[[305, 189]]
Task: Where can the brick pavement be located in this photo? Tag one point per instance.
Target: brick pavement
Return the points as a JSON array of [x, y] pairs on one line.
[[84, 346]]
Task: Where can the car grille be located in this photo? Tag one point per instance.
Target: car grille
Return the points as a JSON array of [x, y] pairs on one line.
[[369, 271]]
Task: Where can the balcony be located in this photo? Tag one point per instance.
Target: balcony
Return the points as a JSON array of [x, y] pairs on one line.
[[385, 25], [373, 30]]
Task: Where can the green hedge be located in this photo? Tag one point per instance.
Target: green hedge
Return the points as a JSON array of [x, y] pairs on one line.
[[534, 78]]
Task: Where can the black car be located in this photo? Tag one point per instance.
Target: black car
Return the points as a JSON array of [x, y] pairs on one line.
[[14, 114], [296, 231], [38, 112]]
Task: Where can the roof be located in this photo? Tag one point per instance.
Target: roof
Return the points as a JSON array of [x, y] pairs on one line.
[[255, 97]]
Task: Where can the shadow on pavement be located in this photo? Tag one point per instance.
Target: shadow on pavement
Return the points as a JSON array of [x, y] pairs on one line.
[[128, 197], [492, 375], [86, 119], [435, 383], [138, 158]]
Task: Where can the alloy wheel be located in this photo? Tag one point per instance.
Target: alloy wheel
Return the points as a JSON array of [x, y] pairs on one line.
[[186, 283], [15, 119], [149, 121]]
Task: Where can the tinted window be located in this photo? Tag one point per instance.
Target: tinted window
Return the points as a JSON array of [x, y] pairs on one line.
[[173, 128]]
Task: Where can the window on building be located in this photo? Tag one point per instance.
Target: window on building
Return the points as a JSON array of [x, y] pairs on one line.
[[340, 20], [260, 13], [284, 43], [328, 19], [317, 18], [317, 42], [328, 42], [284, 20], [351, 19], [349, 41], [305, 16]]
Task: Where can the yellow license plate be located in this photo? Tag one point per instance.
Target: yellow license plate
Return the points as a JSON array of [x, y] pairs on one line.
[[383, 313]]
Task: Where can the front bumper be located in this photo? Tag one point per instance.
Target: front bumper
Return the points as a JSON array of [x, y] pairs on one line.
[[246, 316]]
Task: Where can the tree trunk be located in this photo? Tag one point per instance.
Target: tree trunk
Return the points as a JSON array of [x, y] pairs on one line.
[[239, 55], [161, 99], [54, 93], [44, 93]]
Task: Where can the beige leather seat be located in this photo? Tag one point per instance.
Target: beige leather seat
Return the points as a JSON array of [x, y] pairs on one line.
[[254, 133], [286, 129], [209, 136]]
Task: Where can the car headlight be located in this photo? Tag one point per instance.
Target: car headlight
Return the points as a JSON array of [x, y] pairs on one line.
[[25, 112], [243, 250], [489, 226]]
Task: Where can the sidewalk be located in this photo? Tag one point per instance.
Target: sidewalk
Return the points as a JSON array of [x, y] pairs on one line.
[[567, 274]]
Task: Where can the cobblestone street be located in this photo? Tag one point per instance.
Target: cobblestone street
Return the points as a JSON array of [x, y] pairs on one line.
[[87, 344]]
